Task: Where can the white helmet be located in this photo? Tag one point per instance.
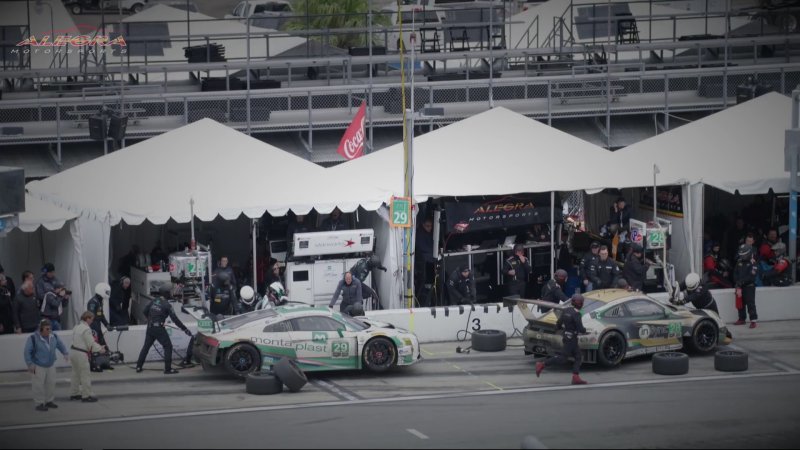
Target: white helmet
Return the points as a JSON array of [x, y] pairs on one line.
[[247, 294], [692, 281], [103, 290]]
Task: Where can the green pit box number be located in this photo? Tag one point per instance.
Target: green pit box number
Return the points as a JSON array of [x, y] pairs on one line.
[[341, 349], [656, 239]]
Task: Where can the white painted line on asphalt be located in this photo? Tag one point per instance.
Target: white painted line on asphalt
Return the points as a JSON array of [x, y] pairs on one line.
[[334, 389], [417, 433], [669, 380]]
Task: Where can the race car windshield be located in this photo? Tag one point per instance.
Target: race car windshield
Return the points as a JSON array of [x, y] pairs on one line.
[[354, 324], [237, 321]]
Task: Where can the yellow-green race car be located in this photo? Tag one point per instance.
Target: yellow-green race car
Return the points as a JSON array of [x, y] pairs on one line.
[[317, 339], [623, 324]]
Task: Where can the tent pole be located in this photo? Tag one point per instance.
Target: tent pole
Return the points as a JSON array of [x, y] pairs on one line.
[[191, 222], [255, 261], [552, 232]]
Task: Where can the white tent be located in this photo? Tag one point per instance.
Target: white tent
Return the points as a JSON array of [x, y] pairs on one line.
[[493, 153], [41, 213], [739, 149], [225, 172]]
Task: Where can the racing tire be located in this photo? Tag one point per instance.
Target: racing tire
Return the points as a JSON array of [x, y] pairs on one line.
[[705, 337], [489, 340], [289, 374], [611, 349], [730, 361], [241, 360], [259, 383], [670, 363], [76, 9], [379, 354]]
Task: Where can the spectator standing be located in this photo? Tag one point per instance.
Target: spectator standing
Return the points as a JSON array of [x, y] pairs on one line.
[[40, 358], [46, 282], [334, 221], [53, 304], [119, 302], [517, 270], [6, 308], [26, 312], [223, 267], [84, 345], [619, 217]]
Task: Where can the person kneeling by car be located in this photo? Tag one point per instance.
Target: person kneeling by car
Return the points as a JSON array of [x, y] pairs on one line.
[[691, 291], [352, 302], [570, 322], [157, 313]]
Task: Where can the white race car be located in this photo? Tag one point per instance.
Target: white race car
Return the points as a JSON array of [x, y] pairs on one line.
[[316, 338]]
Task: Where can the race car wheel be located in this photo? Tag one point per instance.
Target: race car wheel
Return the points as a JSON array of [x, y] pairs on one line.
[[379, 354], [730, 361], [611, 350], [489, 340], [287, 371], [704, 337], [670, 363], [242, 359], [260, 383]]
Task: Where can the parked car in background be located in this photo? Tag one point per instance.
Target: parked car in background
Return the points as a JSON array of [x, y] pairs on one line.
[[81, 6], [260, 8]]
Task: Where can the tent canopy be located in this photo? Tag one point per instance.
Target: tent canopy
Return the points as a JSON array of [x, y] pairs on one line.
[[493, 153], [225, 172], [737, 149], [40, 213]]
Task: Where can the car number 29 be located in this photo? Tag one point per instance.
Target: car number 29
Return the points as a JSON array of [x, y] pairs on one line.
[[341, 349]]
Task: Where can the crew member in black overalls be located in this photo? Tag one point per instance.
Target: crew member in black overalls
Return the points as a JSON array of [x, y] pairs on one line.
[[517, 270], [95, 305], [157, 313], [361, 270], [694, 292], [570, 322], [553, 290], [744, 279], [461, 286], [223, 296]]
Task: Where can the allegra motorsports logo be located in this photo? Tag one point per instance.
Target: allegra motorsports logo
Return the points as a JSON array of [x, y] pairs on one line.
[[82, 36]]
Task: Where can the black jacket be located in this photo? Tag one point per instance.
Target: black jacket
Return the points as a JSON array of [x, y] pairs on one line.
[[521, 270], [460, 289], [700, 298], [605, 274], [553, 293], [95, 306], [572, 324], [635, 272], [26, 311], [157, 312], [621, 218], [118, 303], [588, 263], [6, 310], [744, 274]]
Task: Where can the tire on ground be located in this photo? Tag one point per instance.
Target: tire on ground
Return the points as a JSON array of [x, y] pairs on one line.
[[259, 383], [287, 371], [730, 361], [489, 340], [670, 363]]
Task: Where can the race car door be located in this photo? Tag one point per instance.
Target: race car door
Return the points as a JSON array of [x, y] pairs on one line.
[[322, 343], [651, 326]]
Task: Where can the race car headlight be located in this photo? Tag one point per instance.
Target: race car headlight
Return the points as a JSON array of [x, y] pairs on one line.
[[408, 341]]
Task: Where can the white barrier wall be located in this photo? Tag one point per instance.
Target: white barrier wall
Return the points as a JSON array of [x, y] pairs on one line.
[[430, 324]]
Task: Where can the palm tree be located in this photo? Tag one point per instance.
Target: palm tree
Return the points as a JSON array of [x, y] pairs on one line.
[[333, 14]]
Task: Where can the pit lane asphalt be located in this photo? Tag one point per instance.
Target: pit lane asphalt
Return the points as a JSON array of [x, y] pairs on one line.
[[474, 400]]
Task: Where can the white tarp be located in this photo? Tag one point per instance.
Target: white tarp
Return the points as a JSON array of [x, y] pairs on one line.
[[41, 213], [737, 149], [225, 172], [493, 153]]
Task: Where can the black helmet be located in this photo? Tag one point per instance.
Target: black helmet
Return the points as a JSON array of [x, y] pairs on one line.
[[165, 290], [577, 301], [357, 310], [745, 252], [223, 278]]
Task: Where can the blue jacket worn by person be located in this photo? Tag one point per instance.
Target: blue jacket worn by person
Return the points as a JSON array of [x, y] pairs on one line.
[[41, 351]]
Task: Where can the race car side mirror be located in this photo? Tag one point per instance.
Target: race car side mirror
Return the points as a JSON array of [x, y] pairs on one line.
[[340, 331]]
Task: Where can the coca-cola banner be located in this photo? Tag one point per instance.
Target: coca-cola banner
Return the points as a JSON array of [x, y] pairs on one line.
[[482, 213], [352, 144]]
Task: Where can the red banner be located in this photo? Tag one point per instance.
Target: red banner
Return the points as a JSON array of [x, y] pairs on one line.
[[352, 144]]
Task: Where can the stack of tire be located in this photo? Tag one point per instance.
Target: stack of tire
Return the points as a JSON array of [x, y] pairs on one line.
[[675, 363], [284, 372]]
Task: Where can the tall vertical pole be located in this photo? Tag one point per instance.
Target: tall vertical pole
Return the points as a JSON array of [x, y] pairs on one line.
[[255, 256], [491, 56], [409, 181], [552, 232], [369, 94], [655, 187], [793, 188]]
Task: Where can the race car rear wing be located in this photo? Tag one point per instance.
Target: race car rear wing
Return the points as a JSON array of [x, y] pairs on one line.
[[527, 311]]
